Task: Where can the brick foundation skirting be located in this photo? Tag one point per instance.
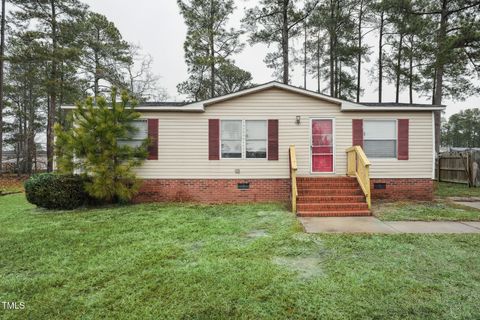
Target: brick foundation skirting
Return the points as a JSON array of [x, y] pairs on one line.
[[214, 190], [264, 190], [403, 189]]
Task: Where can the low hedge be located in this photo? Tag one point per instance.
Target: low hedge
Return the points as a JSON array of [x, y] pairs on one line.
[[55, 191]]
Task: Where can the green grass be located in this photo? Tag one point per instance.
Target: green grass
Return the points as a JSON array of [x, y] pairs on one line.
[[156, 261], [425, 211], [440, 210], [444, 189]]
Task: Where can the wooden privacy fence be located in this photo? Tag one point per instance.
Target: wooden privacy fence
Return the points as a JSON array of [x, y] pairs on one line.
[[460, 167]]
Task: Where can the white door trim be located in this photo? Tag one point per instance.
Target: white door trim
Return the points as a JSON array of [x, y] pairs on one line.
[[333, 144]]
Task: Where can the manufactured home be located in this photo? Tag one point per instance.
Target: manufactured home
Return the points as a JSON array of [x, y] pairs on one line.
[[274, 142]]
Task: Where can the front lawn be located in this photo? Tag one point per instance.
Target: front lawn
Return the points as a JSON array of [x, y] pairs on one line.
[[440, 210], [223, 262], [424, 211], [445, 189]]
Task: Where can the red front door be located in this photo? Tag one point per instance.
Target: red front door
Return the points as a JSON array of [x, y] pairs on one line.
[[322, 145]]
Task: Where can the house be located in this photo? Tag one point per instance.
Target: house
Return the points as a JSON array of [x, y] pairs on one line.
[[275, 142]]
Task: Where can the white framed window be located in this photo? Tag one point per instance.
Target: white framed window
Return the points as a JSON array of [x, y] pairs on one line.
[[243, 139], [231, 132], [256, 139], [380, 138], [138, 137]]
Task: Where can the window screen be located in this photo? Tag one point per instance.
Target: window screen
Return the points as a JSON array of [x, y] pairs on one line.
[[380, 138], [231, 136], [256, 138]]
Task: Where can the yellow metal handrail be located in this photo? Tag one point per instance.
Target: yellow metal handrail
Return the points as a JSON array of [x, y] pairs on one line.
[[293, 176], [358, 166]]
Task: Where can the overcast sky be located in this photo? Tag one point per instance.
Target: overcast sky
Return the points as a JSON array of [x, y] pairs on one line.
[[158, 27]]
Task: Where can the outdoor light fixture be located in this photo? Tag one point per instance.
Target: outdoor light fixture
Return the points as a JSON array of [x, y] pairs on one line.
[[298, 120]]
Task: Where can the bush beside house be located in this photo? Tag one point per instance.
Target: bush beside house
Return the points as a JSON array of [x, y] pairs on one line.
[[55, 191]]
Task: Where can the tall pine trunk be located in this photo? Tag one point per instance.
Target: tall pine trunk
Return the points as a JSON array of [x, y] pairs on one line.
[[53, 89], [440, 63], [332, 47], [332, 67], [305, 59], [96, 76], [2, 51], [318, 63], [212, 50], [286, 66], [359, 62], [399, 69], [410, 72], [380, 57], [439, 70]]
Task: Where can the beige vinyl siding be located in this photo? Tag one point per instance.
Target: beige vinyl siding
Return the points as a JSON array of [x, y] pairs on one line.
[[183, 139]]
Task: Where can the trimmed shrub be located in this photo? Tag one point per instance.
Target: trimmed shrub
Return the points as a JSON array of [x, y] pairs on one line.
[[54, 191]]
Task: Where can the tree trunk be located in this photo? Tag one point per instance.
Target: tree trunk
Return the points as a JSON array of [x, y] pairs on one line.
[[2, 50], [212, 50], [410, 73], [318, 63], [339, 81], [380, 58], [53, 90], [359, 62], [96, 76], [305, 59], [439, 69], [399, 69], [332, 51], [332, 67], [440, 63], [337, 76], [285, 42]]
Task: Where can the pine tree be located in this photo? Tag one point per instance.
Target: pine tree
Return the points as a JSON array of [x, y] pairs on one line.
[[52, 21], [208, 45], [231, 78], [335, 17], [99, 145], [456, 49], [25, 98], [277, 22], [103, 53], [364, 26]]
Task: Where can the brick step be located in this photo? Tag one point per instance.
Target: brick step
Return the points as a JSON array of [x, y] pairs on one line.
[[331, 206], [337, 199], [330, 192], [321, 184], [355, 213], [326, 179]]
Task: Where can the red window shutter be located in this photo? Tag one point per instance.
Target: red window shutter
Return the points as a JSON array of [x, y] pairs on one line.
[[403, 125], [213, 139], [357, 132], [272, 139], [153, 136]]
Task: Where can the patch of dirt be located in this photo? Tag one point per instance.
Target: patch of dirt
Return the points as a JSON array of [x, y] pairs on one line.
[[306, 267], [257, 233], [196, 246], [11, 184]]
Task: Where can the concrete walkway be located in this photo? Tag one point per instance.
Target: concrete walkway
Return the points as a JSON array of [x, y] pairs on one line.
[[374, 225]]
